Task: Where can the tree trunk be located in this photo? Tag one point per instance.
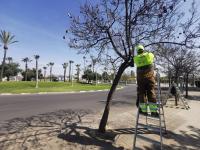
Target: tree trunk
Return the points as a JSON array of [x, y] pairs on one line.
[[193, 80], [44, 75], [64, 74], [2, 66], [186, 85], [169, 79], [176, 99], [104, 119], [50, 74], [176, 78], [8, 78], [69, 72], [26, 68], [36, 86]]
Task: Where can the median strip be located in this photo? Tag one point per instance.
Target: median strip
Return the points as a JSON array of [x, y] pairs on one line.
[[69, 92]]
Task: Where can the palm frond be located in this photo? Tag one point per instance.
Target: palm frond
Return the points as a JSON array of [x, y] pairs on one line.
[[6, 38], [11, 38], [13, 42]]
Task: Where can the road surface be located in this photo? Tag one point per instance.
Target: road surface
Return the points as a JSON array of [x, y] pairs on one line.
[[12, 106]]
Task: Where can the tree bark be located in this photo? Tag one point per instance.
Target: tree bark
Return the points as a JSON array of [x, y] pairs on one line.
[[104, 119], [50, 74], [44, 75], [26, 68], [8, 78], [3, 64], [186, 85], [64, 73]]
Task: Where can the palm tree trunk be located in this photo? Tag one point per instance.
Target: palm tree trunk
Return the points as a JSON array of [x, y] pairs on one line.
[[64, 74], [26, 69], [3, 64], [44, 75], [36, 86], [69, 72], [51, 74], [104, 119]]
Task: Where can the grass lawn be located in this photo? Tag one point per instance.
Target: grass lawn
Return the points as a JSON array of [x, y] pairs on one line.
[[29, 87]]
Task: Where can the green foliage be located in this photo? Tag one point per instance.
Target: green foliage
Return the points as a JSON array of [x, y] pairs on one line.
[[89, 75], [11, 69], [105, 76], [31, 74]]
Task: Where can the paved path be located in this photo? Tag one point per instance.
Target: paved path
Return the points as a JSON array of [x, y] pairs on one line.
[[12, 106]]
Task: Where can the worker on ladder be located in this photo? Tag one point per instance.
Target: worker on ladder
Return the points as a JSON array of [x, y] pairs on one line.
[[146, 81]]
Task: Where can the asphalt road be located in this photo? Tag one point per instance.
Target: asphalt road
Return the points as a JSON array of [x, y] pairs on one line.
[[12, 106]]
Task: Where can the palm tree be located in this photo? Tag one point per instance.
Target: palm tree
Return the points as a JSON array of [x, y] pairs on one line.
[[36, 66], [6, 39], [45, 69], [65, 68], [70, 68], [51, 66], [10, 59], [26, 60]]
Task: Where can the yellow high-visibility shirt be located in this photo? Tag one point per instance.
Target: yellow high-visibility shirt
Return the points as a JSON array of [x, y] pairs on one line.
[[144, 59]]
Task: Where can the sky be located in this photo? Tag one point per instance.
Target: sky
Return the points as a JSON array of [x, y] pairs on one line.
[[39, 26]]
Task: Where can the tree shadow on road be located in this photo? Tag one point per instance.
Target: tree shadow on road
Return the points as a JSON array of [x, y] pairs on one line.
[[71, 128]]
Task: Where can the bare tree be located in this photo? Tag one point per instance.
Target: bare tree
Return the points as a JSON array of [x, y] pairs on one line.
[[181, 62], [191, 64], [119, 26]]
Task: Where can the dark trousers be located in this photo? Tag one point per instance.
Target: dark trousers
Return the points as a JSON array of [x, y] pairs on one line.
[[146, 86]]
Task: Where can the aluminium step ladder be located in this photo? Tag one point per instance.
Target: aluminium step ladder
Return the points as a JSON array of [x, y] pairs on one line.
[[180, 95], [185, 103], [160, 119], [183, 99]]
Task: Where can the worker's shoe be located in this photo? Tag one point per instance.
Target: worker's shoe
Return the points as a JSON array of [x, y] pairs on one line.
[[153, 107], [143, 113], [143, 108]]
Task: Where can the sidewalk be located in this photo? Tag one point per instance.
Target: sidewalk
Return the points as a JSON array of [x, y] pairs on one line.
[[183, 128]]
